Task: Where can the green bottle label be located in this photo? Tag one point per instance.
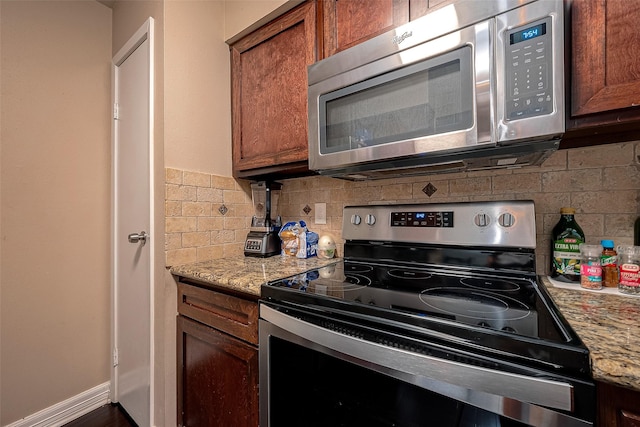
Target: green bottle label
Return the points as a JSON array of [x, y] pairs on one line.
[[566, 256]]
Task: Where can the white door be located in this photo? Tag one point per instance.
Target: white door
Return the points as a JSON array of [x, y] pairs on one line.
[[132, 215]]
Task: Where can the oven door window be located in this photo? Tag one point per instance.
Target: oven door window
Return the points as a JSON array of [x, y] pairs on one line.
[[310, 388], [431, 97]]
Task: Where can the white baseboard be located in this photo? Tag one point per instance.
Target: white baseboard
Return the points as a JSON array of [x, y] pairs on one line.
[[64, 412]]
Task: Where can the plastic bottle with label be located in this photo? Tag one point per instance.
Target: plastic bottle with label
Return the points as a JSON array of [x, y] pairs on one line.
[[565, 247]]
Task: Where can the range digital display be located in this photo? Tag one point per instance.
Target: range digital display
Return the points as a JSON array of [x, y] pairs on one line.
[[528, 33]]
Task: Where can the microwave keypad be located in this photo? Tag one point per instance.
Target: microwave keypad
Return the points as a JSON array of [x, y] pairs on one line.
[[529, 62]]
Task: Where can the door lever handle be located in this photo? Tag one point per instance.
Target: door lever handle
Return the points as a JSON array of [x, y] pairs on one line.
[[137, 237]]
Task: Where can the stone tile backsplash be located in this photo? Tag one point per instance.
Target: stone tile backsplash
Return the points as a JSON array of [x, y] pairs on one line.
[[602, 183], [207, 216]]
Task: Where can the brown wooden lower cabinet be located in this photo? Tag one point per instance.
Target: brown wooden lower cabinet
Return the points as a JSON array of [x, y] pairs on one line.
[[217, 372], [617, 406]]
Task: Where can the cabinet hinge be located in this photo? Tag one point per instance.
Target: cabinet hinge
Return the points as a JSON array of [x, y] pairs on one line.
[[115, 111], [115, 357]]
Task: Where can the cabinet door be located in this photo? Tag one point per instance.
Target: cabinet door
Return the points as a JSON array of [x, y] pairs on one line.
[[217, 378], [269, 94], [418, 8], [617, 406], [349, 22], [605, 60]]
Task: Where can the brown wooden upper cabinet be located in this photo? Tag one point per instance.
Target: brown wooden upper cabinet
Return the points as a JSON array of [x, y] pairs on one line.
[[418, 8], [347, 23], [605, 64], [269, 94]]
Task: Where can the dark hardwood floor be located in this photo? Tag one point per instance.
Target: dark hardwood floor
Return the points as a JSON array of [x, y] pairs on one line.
[[110, 415]]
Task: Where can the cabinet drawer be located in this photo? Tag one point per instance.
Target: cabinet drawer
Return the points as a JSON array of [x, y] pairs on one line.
[[227, 313]]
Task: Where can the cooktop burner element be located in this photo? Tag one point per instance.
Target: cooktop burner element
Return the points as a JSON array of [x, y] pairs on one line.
[[494, 285], [358, 268], [475, 305]]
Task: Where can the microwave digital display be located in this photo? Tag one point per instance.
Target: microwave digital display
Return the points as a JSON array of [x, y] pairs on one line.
[[528, 33]]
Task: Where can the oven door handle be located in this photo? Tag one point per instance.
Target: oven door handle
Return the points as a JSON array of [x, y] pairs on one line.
[[538, 391]]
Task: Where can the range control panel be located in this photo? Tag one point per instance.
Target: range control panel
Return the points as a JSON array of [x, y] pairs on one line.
[[493, 223], [422, 219]]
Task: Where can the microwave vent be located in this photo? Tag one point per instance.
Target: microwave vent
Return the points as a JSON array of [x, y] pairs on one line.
[[505, 157]]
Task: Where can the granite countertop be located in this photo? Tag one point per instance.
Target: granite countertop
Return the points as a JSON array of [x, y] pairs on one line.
[[247, 274], [609, 325]]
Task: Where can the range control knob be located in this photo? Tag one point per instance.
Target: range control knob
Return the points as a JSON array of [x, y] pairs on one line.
[[356, 219], [370, 219], [506, 220], [482, 220]]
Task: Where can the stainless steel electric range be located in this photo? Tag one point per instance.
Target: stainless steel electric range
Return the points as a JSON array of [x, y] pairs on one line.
[[435, 317]]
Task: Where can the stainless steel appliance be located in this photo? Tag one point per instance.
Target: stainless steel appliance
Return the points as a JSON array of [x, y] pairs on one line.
[[434, 317], [472, 85], [262, 239]]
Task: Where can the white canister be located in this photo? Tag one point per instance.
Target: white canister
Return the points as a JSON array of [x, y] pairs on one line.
[[326, 246]]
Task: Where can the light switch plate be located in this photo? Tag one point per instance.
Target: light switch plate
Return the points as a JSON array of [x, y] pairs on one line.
[[321, 213]]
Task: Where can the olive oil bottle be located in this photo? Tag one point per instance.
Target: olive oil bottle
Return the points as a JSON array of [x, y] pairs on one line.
[[565, 247]]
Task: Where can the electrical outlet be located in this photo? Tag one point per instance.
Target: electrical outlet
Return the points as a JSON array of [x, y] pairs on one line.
[[321, 213]]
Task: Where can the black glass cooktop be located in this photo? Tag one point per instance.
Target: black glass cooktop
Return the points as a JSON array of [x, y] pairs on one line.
[[498, 312]]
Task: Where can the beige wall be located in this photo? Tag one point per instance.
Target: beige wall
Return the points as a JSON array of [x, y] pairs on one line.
[[240, 14], [197, 88], [55, 177]]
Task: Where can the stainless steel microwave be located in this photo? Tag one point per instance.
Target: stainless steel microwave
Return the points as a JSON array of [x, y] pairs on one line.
[[476, 84]]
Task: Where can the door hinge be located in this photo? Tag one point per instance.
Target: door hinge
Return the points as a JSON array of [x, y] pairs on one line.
[[115, 111], [115, 357]]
